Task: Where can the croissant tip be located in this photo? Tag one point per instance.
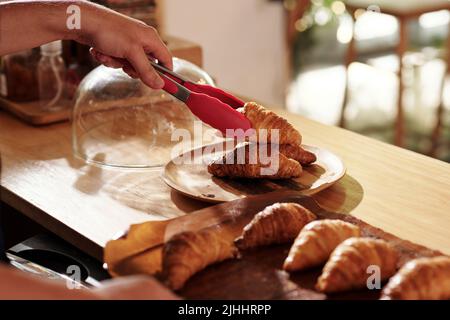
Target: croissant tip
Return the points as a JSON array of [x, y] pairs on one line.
[[239, 243], [170, 284], [320, 286], [287, 267]]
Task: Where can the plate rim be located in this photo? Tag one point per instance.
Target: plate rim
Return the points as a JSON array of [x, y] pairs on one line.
[[168, 181]]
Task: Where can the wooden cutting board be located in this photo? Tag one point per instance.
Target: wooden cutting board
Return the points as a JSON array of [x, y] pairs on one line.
[[257, 274], [32, 113]]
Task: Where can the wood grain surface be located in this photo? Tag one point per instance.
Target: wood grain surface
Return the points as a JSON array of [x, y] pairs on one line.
[[402, 192]]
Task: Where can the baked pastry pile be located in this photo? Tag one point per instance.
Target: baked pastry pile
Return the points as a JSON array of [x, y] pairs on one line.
[[339, 246], [268, 126], [230, 166]]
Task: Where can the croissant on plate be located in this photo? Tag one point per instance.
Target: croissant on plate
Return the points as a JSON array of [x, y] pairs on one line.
[[278, 223], [348, 266], [420, 279], [316, 242], [246, 162], [297, 153], [265, 121], [189, 252]]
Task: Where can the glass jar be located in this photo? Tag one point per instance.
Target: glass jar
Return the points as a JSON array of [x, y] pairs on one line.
[[51, 77], [20, 83]]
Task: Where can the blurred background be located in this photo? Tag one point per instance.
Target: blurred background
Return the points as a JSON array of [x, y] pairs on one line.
[[377, 67], [337, 62]]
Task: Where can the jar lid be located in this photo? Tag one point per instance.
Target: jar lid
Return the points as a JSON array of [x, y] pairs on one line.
[[119, 122]]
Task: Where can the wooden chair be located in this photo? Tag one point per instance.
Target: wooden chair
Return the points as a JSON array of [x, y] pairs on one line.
[[404, 11], [294, 13]]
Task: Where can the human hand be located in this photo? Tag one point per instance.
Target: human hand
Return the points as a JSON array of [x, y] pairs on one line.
[[16, 284], [134, 288], [118, 41]]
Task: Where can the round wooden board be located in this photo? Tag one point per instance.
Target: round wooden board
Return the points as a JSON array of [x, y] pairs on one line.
[[193, 180]]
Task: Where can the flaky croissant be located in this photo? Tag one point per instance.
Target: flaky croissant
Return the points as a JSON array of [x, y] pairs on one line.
[[316, 242], [297, 153], [420, 279], [278, 223], [189, 252], [263, 119], [239, 163], [348, 265]]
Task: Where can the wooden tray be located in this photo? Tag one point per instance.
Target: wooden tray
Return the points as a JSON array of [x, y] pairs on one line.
[[258, 274], [193, 180], [31, 112]]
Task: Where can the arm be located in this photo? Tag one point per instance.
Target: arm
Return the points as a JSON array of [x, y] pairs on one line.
[[119, 41], [15, 284]]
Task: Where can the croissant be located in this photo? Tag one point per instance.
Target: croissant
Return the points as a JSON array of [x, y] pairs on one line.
[[297, 153], [316, 242], [348, 265], [239, 163], [420, 279], [189, 252], [278, 223], [261, 118]]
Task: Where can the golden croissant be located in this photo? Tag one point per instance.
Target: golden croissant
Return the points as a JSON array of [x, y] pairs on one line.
[[189, 252], [265, 121], [278, 223], [420, 279], [316, 242], [348, 266], [245, 162], [297, 153]]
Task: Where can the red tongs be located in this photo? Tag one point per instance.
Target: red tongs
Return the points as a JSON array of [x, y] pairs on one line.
[[211, 105]]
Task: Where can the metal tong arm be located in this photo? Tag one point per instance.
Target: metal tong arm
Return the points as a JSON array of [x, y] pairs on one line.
[[211, 91], [171, 85], [173, 75]]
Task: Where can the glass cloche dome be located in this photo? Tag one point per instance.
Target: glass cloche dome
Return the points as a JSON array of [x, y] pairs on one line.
[[118, 121]]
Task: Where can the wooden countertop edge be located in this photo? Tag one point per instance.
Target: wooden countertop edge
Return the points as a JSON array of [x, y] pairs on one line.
[[51, 224]]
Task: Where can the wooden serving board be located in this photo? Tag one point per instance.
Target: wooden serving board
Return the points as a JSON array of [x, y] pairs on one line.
[[255, 275], [31, 112]]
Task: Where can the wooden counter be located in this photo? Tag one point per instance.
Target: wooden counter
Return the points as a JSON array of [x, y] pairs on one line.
[[400, 191]]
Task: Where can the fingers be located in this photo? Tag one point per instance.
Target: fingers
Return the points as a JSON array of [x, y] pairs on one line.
[[113, 62], [134, 60], [154, 46], [105, 59], [135, 288], [130, 71], [139, 61]]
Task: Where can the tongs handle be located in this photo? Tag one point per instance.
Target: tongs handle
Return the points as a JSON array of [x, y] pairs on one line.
[[217, 93], [208, 108]]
